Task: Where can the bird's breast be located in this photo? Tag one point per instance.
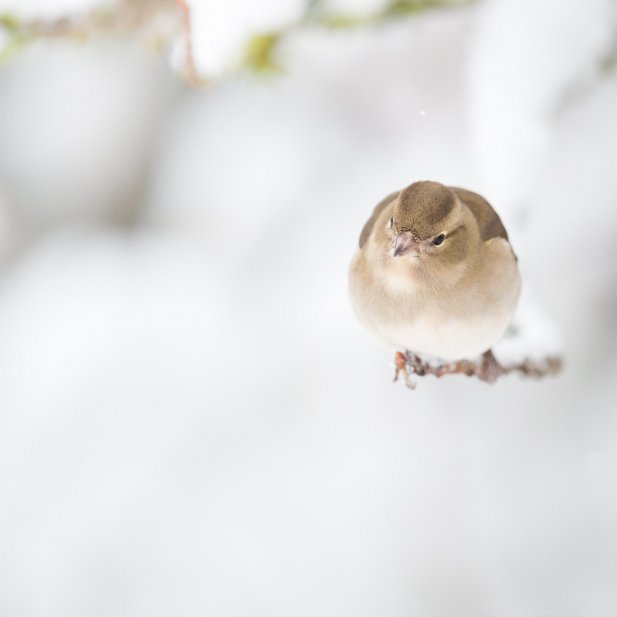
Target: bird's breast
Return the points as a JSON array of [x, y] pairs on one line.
[[403, 310]]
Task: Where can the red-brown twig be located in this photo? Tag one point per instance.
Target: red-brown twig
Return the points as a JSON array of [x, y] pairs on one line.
[[410, 363], [187, 35]]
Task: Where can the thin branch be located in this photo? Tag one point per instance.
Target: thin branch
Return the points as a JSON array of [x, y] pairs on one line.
[[157, 21], [137, 18], [192, 75], [411, 364]]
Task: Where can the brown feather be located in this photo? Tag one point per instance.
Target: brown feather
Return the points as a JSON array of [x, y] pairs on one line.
[[422, 205], [368, 226], [488, 220]]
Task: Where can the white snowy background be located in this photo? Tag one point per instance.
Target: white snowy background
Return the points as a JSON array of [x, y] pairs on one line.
[[191, 420]]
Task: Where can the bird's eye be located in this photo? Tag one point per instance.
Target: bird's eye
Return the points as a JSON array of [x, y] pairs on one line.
[[439, 239], [391, 223]]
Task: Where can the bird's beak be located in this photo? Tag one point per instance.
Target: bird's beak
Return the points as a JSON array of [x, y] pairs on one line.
[[406, 244]]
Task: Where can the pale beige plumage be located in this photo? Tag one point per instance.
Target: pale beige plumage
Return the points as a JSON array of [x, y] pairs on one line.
[[435, 273]]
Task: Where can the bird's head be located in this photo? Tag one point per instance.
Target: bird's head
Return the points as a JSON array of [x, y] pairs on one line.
[[428, 225]]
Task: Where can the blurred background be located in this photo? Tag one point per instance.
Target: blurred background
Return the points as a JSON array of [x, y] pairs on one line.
[[192, 422]]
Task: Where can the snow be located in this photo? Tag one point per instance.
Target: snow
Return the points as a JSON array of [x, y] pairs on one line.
[[532, 335], [220, 29], [523, 63], [354, 7], [49, 9], [191, 420], [81, 125]]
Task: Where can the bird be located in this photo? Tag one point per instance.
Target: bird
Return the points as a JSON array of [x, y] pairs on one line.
[[435, 274]]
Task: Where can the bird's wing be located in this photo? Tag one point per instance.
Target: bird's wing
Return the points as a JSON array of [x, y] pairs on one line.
[[488, 220], [368, 226]]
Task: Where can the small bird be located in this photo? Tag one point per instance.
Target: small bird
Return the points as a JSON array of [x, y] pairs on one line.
[[435, 274]]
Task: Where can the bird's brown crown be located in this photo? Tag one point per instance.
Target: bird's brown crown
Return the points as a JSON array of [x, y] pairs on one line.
[[421, 206]]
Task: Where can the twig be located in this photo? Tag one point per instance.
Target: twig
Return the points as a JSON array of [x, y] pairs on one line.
[[410, 363], [133, 18], [192, 75], [148, 20]]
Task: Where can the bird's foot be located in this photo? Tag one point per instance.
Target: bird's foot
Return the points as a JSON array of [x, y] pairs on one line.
[[400, 366], [490, 368]]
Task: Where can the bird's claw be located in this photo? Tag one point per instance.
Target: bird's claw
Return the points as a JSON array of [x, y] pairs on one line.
[[490, 369], [400, 366]]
